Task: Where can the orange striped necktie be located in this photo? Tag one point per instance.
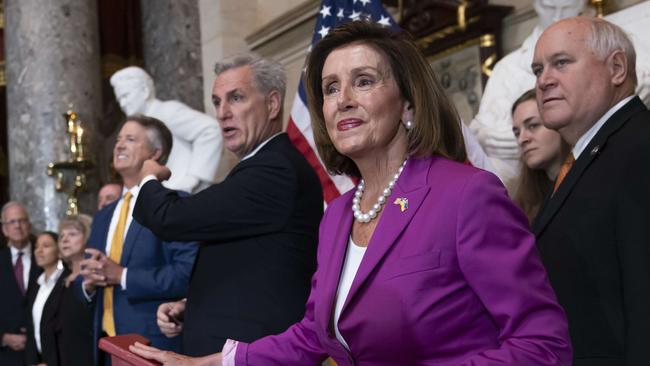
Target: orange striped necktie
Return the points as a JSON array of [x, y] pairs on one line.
[[108, 321], [564, 170]]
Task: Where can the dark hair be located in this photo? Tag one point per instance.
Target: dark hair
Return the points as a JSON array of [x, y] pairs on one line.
[[159, 136], [436, 130], [51, 234]]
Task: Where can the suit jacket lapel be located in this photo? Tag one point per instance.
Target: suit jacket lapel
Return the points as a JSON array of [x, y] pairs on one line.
[[129, 241], [595, 147], [100, 228], [340, 233], [411, 186]]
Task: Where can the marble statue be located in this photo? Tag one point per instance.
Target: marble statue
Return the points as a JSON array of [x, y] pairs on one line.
[[197, 140], [510, 78]]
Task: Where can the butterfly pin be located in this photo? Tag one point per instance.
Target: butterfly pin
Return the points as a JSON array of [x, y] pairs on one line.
[[403, 203]]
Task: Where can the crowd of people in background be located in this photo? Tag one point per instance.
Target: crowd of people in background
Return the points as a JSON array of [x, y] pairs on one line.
[[427, 261]]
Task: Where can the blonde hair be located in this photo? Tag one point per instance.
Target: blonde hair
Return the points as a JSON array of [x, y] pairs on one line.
[[80, 222]]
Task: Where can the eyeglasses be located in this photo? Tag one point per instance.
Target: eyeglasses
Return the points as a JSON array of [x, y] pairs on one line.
[[21, 221]]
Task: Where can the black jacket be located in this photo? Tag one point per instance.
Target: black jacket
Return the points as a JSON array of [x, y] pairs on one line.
[[594, 238], [13, 314], [259, 229], [50, 327]]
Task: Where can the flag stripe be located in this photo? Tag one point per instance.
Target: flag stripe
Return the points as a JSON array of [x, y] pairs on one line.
[[330, 191], [299, 129]]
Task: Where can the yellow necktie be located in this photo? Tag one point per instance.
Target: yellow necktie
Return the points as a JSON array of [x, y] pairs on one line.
[[117, 244]]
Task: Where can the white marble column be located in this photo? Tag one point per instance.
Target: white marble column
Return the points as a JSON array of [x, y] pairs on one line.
[[52, 61], [171, 45]]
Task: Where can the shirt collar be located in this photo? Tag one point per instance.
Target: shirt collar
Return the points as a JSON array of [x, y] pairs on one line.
[[50, 281], [27, 251], [252, 153], [584, 140], [134, 192]]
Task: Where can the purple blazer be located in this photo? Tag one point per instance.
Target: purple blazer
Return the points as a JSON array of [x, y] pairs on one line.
[[454, 279]]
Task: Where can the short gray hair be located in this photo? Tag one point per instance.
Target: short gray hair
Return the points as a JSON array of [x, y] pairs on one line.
[[605, 38], [11, 204], [269, 75]]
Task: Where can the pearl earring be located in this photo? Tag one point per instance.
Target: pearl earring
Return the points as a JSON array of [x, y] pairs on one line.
[[408, 125]]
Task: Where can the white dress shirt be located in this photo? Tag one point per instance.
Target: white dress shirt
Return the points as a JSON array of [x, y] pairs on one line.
[[115, 218], [585, 139], [111, 230], [27, 261], [44, 291]]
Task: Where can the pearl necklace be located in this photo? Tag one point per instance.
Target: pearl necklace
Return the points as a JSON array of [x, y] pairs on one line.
[[372, 213]]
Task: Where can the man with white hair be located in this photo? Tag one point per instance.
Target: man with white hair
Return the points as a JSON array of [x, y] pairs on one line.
[[18, 273], [593, 232], [510, 78], [197, 140]]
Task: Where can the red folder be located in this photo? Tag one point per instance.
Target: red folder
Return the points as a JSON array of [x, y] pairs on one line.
[[118, 348]]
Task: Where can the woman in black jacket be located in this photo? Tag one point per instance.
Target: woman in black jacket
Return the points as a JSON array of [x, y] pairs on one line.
[[44, 304]]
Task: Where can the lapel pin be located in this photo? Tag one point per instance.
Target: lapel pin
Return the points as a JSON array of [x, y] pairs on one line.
[[595, 150], [403, 203]]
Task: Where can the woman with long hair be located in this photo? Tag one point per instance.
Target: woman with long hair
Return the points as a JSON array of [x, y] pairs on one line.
[[542, 154], [427, 261]]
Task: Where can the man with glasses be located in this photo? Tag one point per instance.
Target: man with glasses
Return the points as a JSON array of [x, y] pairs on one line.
[[17, 275]]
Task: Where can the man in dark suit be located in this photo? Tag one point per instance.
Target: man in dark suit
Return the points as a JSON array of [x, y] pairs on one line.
[[259, 226], [131, 271], [18, 273], [594, 231]]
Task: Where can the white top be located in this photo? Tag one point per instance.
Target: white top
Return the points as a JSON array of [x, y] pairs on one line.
[[27, 261], [585, 139], [44, 292], [353, 256]]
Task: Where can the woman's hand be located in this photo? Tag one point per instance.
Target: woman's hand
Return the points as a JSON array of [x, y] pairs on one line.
[[168, 358]]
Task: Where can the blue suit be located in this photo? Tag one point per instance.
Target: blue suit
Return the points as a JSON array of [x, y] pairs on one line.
[[157, 272]]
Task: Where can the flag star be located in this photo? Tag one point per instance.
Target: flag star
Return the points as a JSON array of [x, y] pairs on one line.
[[340, 14], [325, 11], [323, 31], [355, 1], [355, 15], [385, 21], [364, 2]]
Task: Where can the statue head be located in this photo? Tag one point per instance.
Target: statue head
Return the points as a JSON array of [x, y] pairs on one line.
[[133, 89], [550, 11]]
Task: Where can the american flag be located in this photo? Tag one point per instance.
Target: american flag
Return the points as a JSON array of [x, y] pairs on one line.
[[331, 14]]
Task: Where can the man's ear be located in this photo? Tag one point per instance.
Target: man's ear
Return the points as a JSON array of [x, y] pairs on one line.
[[617, 65], [156, 155], [273, 104]]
